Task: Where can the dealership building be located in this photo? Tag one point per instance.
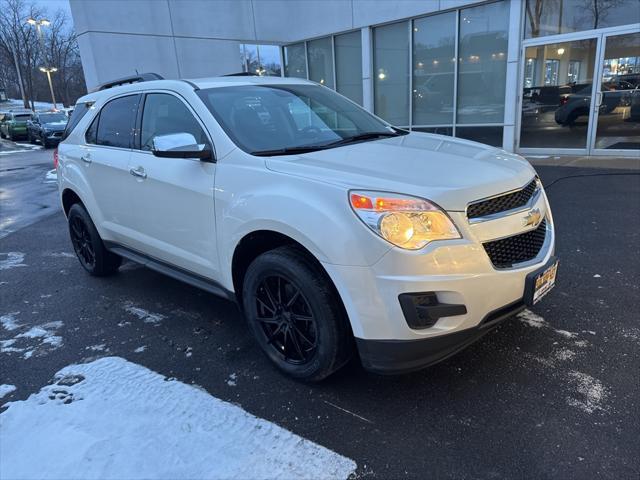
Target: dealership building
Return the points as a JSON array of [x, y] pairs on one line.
[[532, 76]]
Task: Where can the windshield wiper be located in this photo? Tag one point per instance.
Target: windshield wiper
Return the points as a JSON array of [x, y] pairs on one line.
[[363, 136], [343, 141], [288, 150]]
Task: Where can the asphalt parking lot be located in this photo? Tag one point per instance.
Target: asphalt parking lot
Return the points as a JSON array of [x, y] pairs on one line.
[[553, 393]]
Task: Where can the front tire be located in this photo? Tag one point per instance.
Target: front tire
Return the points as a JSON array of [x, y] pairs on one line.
[[30, 138], [296, 315], [88, 245]]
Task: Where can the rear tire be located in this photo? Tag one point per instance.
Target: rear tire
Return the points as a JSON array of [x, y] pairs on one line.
[[295, 314], [88, 245]]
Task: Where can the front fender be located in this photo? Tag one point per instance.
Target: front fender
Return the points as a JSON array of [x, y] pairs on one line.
[[249, 197]]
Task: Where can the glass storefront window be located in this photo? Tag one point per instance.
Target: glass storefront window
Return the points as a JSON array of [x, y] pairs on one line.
[[270, 60], [320, 53], [438, 130], [619, 113], [557, 94], [482, 63], [348, 49], [551, 17], [261, 59], [433, 67], [487, 135], [295, 62], [391, 72]]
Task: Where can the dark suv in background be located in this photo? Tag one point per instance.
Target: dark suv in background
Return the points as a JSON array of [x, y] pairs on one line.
[[46, 128]]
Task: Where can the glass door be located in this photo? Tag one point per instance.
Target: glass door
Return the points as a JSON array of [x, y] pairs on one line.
[[557, 93], [617, 102]]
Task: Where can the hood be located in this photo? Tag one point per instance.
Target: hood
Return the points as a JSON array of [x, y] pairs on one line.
[[449, 171], [54, 126]]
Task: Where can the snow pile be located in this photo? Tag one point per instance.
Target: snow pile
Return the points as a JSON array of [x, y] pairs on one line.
[[114, 419]]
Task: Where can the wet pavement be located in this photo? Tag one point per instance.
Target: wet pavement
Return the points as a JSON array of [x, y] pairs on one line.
[[553, 393], [27, 194]]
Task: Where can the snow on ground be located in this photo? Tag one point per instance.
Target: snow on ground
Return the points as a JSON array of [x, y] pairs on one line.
[[9, 321], [586, 392], [39, 339], [114, 419], [6, 390], [144, 315], [13, 260], [591, 392]]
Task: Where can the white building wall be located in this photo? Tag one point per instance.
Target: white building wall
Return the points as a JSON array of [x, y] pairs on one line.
[[199, 38], [118, 37]]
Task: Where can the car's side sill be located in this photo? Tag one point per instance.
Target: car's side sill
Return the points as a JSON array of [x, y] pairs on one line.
[[172, 271]]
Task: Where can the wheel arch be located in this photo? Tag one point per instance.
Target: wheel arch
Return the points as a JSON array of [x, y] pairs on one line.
[[255, 243], [69, 198]]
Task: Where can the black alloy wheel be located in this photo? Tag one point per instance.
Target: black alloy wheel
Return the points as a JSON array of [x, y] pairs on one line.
[[286, 319], [81, 240], [88, 245], [295, 314]]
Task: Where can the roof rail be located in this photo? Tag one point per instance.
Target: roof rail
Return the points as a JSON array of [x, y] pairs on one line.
[[241, 74], [140, 77]]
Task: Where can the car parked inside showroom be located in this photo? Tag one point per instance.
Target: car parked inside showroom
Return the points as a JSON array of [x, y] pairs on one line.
[[337, 234]]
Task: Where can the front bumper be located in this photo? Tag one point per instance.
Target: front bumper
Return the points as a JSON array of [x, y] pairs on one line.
[[402, 356], [474, 294]]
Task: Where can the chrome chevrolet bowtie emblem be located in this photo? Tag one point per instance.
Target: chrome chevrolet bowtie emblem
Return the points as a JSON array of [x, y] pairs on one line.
[[532, 219]]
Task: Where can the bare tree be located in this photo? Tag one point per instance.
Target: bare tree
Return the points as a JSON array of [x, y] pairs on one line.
[[58, 48]]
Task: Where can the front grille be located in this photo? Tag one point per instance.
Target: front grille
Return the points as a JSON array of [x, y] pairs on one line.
[[502, 203], [506, 252]]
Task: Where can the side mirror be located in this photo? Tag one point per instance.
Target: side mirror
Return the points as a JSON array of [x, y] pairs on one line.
[[180, 145]]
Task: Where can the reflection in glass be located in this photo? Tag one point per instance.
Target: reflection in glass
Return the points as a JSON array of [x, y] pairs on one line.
[[557, 95], [433, 69], [320, 54], [348, 49], [260, 59], [619, 100], [269, 56], [391, 72], [482, 63], [295, 62], [550, 17], [438, 130], [487, 135]]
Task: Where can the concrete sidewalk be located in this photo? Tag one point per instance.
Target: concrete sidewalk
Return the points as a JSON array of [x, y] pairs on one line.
[[632, 162]]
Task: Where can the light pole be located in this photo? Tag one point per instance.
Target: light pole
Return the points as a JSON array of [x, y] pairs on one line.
[[42, 22], [49, 71]]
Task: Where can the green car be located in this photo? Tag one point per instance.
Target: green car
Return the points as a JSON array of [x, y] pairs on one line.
[[13, 125]]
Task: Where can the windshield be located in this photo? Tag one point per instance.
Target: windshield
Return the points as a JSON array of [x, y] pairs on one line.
[[281, 119], [21, 118], [52, 117]]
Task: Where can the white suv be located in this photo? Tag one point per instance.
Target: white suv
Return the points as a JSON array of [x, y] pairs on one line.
[[334, 231]]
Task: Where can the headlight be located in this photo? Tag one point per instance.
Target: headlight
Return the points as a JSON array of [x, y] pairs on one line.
[[407, 222]]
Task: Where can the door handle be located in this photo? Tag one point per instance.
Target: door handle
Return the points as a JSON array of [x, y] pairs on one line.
[[85, 159], [598, 99], [138, 172]]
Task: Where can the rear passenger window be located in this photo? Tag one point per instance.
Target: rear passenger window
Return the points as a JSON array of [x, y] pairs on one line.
[[165, 114], [117, 121]]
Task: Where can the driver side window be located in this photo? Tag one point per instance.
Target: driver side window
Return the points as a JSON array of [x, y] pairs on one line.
[[165, 114]]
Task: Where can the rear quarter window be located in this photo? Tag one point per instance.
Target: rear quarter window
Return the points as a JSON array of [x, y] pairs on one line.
[[79, 112]]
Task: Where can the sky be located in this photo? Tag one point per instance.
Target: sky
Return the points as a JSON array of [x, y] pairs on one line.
[[54, 5]]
